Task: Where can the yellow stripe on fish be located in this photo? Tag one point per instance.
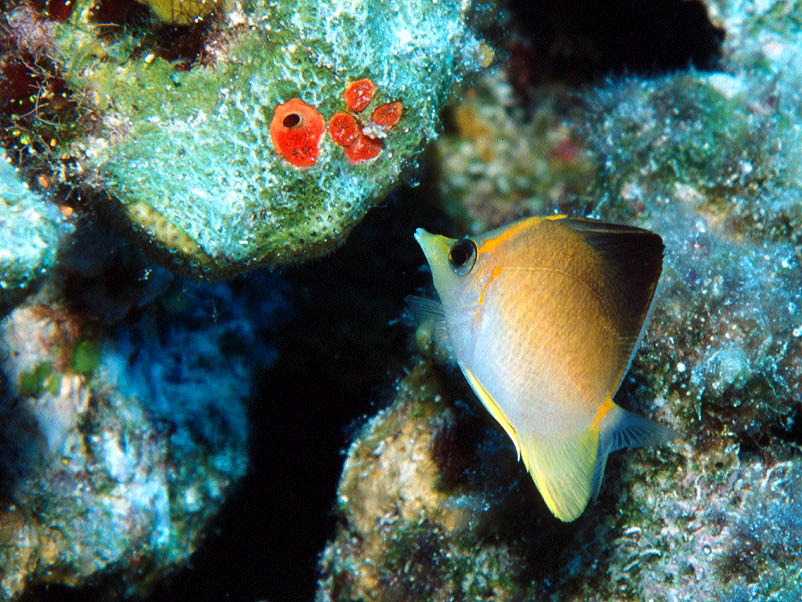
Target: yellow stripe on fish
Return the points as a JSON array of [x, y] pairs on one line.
[[543, 317]]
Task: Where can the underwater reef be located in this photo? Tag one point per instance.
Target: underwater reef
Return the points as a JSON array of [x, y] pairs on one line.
[[124, 418], [208, 138], [164, 437], [432, 503]]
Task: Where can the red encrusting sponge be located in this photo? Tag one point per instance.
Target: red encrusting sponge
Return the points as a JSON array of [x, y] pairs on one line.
[[363, 149], [387, 115], [358, 94], [343, 129], [349, 132], [296, 130]]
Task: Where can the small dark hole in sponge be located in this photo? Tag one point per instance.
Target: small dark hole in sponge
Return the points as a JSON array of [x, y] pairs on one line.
[[292, 120]]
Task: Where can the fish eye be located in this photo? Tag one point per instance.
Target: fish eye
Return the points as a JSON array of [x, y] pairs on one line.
[[462, 256]]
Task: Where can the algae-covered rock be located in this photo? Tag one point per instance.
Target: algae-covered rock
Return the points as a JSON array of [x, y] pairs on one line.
[[202, 162], [421, 500], [433, 506], [121, 441], [180, 12], [30, 230], [501, 162]]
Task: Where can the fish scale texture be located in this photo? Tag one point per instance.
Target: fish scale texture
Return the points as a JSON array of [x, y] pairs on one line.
[[187, 155]]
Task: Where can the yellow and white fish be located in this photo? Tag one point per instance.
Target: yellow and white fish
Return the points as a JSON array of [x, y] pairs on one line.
[[543, 317]]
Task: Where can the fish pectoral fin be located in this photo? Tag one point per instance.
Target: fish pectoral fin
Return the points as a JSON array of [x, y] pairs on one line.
[[563, 469], [425, 311], [491, 406]]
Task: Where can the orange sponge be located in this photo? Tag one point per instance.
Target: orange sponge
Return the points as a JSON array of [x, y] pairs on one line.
[[296, 130]]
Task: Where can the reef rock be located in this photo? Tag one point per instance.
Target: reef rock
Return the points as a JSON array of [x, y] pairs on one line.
[[30, 231], [119, 441], [421, 501], [225, 161]]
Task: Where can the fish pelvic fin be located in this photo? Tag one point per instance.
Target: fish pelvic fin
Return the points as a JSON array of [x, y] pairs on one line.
[[563, 470], [491, 406], [619, 428]]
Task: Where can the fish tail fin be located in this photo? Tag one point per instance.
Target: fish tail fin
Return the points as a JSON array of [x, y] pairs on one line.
[[568, 471], [563, 470], [619, 428]]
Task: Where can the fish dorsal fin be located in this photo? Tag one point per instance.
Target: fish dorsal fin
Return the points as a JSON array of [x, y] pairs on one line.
[[634, 258], [564, 470], [631, 262]]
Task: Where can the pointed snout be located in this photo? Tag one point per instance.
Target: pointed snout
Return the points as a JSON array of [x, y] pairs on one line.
[[434, 246]]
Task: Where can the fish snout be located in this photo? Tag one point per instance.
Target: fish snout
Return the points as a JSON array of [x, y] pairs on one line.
[[434, 246]]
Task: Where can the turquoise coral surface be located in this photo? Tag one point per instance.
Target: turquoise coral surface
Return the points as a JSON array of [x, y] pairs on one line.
[[121, 459], [31, 230], [186, 155]]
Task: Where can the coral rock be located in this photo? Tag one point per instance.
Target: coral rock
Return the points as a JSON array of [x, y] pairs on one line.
[[30, 232], [121, 441], [413, 511], [184, 148]]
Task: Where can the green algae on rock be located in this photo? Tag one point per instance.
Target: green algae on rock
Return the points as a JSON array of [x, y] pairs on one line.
[[187, 154], [30, 229], [180, 12]]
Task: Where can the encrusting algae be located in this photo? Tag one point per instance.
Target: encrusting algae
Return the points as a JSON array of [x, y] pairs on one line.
[[219, 162], [543, 317]]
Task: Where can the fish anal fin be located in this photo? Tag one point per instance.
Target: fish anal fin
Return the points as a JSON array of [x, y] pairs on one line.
[[491, 406], [563, 469]]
